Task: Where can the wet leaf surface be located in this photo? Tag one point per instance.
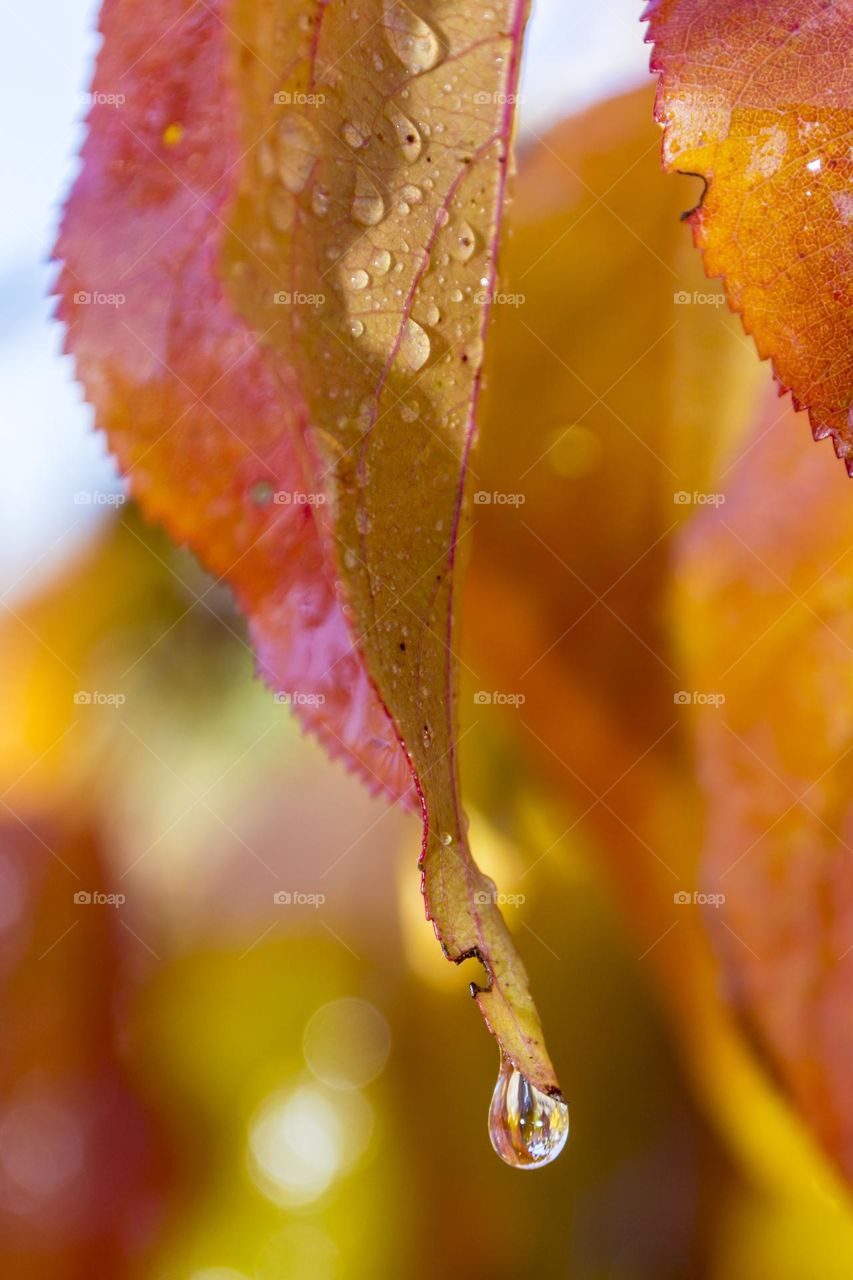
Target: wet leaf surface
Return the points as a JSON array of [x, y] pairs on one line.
[[300, 211]]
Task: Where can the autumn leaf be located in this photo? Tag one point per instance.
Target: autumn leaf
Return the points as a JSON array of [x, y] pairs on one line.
[[306, 426], [764, 615], [756, 98]]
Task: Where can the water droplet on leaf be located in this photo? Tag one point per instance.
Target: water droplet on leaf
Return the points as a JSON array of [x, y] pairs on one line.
[[528, 1128], [320, 201], [368, 207], [414, 42], [297, 148], [408, 138], [353, 135], [415, 345], [462, 242]]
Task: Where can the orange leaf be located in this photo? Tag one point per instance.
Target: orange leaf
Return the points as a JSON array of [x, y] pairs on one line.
[[765, 619], [756, 98]]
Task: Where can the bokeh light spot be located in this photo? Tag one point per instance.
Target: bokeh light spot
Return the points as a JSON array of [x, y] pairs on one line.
[[346, 1043]]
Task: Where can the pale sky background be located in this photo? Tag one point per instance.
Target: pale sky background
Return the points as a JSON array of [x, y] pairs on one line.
[[577, 52]]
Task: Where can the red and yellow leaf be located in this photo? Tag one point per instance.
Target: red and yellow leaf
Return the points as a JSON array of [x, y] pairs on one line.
[[757, 98], [343, 173]]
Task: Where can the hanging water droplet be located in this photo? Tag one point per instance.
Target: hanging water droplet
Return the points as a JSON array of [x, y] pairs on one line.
[[368, 207], [381, 261], [358, 280], [415, 43], [528, 1128], [297, 148], [408, 138], [462, 242], [414, 345]]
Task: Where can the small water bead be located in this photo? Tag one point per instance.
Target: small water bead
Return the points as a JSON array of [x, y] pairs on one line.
[[281, 209], [356, 328], [297, 147], [320, 201], [358, 280], [414, 42], [415, 346], [368, 207], [528, 1128], [408, 138], [354, 135], [381, 261], [365, 413], [472, 352], [445, 839], [463, 242], [412, 194], [432, 315]]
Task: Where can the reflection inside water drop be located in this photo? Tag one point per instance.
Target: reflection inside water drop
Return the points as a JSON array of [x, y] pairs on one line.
[[528, 1128]]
